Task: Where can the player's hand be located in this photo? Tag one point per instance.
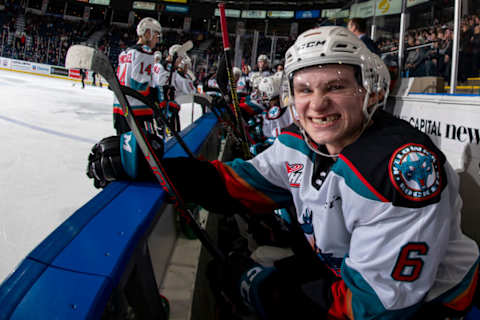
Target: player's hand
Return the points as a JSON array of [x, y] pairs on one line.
[[104, 162]]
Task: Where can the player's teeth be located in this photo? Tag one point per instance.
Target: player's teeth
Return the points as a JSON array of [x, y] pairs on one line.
[[326, 119]]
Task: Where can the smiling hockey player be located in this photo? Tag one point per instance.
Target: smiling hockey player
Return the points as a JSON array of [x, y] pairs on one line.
[[376, 203]]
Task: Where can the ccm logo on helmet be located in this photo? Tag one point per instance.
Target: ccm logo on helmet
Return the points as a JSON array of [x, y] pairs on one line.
[[311, 44]]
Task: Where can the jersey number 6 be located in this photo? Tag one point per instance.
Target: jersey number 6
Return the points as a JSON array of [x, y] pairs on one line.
[[408, 268]]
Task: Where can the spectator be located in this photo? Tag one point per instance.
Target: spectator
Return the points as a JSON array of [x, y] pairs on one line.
[[415, 58], [359, 28]]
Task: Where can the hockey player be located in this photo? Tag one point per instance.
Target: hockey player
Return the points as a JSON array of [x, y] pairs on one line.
[[135, 70], [183, 77], [375, 199], [275, 117], [160, 75]]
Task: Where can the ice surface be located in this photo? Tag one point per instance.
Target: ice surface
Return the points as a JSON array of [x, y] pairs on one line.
[[47, 128]]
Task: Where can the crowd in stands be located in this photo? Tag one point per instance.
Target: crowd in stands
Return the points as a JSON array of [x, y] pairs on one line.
[[46, 38], [431, 53]]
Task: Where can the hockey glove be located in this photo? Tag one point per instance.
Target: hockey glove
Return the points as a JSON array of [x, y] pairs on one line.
[[104, 162]]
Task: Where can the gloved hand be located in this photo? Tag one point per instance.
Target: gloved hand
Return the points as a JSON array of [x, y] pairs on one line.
[[104, 162]]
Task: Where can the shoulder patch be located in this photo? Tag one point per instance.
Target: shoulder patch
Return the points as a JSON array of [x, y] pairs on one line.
[[414, 172], [273, 113]]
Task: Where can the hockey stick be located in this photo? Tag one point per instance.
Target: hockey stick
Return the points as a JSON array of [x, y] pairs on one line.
[[233, 85], [158, 114], [79, 56]]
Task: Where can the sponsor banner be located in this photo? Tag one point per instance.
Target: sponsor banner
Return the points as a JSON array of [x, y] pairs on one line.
[[254, 14], [307, 14], [102, 2], [411, 3], [20, 65], [335, 13], [74, 73], [59, 71], [452, 132], [176, 8], [281, 14], [5, 63], [362, 10], [230, 13], [387, 7], [142, 5], [40, 68]]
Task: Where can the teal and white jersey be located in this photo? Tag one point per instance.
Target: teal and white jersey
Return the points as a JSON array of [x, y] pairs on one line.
[[385, 216]]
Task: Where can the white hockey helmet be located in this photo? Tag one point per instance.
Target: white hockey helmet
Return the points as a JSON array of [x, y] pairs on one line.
[[263, 57], [336, 45], [151, 24], [269, 87], [236, 72]]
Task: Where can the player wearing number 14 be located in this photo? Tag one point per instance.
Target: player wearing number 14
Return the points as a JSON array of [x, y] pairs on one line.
[[135, 71]]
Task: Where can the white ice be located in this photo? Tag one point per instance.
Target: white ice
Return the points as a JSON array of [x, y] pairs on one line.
[[47, 128]]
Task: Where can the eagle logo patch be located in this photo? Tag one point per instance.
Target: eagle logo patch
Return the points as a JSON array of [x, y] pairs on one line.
[[414, 172]]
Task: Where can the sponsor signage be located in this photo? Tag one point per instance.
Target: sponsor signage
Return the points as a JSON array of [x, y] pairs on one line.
[[5, 63], [411, 3], [176, 8], [254, 14], [176, 1], [364, 9], [380, 7], [388, 7], [40, 68], [59, 71], [101, 2], [21, 65], [232, 13], [74, 73], [281, 14], [307, 14], [335, 13], [142, 5], [453, 134]]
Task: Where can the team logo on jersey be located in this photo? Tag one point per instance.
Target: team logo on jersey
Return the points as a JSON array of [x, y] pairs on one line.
[[273, 113], [414, 172], [295, 172]]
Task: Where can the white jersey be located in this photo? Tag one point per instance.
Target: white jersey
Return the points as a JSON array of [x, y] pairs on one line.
[[242, 85], [274, 120], [160, 75], [182, 84], [384, 216], [135, 71]]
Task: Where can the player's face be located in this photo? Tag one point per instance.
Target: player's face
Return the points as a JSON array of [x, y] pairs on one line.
[[329, 101], [155, 40]]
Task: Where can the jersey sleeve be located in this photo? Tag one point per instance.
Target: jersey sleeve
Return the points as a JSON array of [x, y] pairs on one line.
[[256, 183]]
